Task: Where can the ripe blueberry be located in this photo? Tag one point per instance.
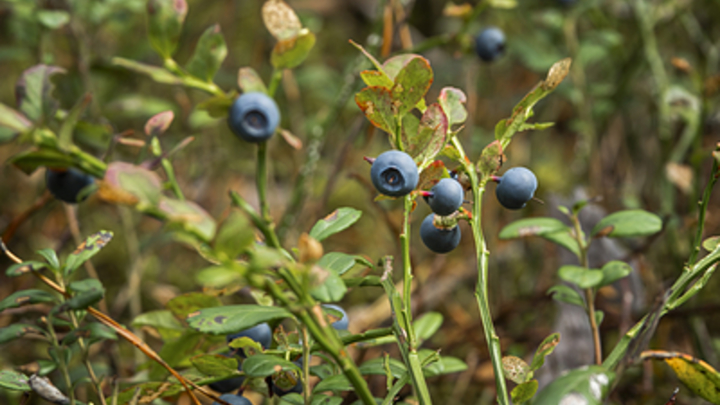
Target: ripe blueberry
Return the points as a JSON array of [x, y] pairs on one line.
[[446, 197], [68, 185], [516, 187], [394, 173], [342, 323], [233, 399], [260, 333], [230, 384], [439, 240], [490, 44], [254, 117]]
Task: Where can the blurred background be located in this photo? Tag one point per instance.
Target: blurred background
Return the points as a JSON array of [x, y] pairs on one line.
[[635, 124]]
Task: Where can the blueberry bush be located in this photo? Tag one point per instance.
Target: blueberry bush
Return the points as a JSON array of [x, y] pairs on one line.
[[218, 202]]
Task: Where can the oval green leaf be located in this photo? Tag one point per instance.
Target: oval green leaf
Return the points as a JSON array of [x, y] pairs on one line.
[[580, 276], [263, 365], [233, 318], [14, 381], [337, 221], [613, 271], [628, 224]]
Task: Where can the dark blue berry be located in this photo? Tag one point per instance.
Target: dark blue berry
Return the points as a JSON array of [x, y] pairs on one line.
[[490, 44], [254, 117], [342, 323], [233, 399], [447, 196], [230, 384], [68, 185], [394, 173], [516, 187], [260, 333], [439, 240]]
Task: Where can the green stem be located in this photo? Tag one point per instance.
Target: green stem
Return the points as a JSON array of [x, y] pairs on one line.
[[481, 290], [61, 359], [714, 174], [191, 81], [86, 361], [266, 228], [407, 266], [275, 80], [399, 384], [306, 365], [261, 181], [325, 336], [589, 293], [172, 180], [360, 337]]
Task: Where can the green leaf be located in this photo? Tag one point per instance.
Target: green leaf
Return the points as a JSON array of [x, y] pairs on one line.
[[376, 367], [427, 325], [158, 74], [163, 321], [506, 128], [263, 365], [564, 239], [93, 332], [209, 54], [217, 106], [51, 257], [337, 221], [515, 369], [599, 316], [34, 92], [16, 331], [588, 385], [14, 120], [14, 381], [234, 237], [411, 84], [189, 216], [24, 267], [216, 365], [89, 248], [332, 289], [580, 276], [394, 65], [86, 292], [30, 160], [376, 103], [524, 392], [613, 271], [185, 304], [291, 52], [337, 262], [53, 19], [445, 365], [429, 139], [563, 293], [334, 383], [26, 297], [531, 227], [628, 224], [376, 78], [453, 102], [711, 243], [177, 353], [165, 21], [249, 81], [220, 276], [234, 318], [490, 159], [539, 126], [544, 349], [126, 183]]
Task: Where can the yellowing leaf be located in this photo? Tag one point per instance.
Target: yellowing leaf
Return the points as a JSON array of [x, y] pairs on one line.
[[696, 374]]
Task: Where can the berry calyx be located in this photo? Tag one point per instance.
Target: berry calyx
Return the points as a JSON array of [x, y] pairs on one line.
[[439, 239]]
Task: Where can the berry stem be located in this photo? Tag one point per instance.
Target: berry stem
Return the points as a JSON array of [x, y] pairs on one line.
[[481, 289], [261, 180]]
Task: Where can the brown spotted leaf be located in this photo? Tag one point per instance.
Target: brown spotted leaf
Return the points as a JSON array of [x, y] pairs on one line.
[[337, 221], [159, 123], [515, 369], [376, 103], [280, 20]]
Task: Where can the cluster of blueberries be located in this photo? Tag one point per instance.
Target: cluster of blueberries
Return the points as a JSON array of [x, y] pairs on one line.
[[395, 174], [262, 334]]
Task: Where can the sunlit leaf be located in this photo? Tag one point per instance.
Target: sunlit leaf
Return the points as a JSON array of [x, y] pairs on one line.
[[628, 224], [337, 221]]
